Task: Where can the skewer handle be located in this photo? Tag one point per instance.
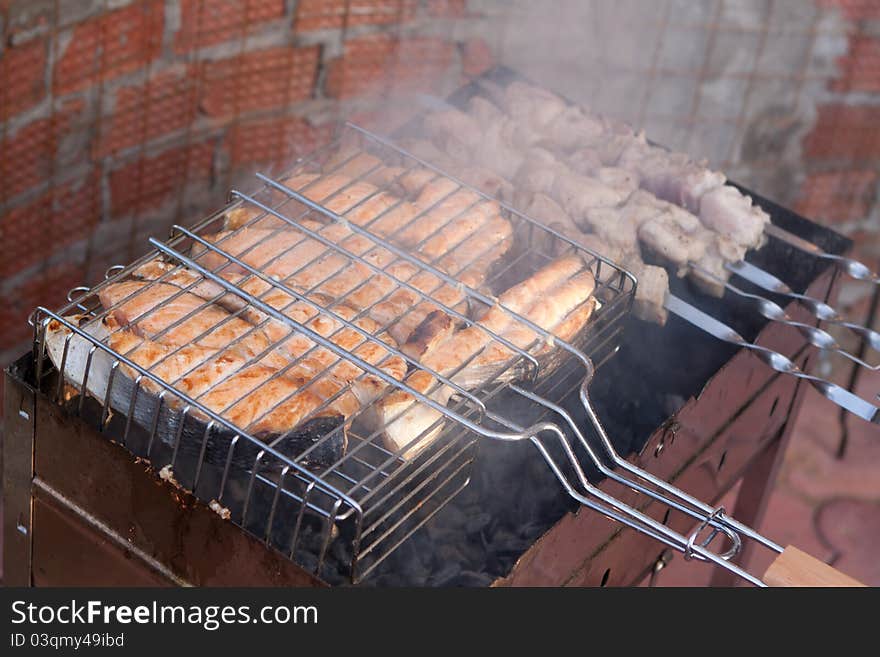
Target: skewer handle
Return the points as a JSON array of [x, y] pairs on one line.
[[796, 568]]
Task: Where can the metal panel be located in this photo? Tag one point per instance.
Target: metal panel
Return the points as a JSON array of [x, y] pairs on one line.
[[68, 552], [18, 459], [114, 495]]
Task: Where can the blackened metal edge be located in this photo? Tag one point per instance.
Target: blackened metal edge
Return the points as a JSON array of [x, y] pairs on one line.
[[19, 426]]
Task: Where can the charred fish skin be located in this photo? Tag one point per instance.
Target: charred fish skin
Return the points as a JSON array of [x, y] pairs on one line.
[[325, 436], [191, 431]]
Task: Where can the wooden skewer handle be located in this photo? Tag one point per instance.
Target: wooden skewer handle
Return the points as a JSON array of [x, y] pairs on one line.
[[796, 568]]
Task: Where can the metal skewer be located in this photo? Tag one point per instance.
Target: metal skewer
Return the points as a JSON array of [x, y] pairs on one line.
[[820, 309], [854, 268], [837, 394], [774, 312]]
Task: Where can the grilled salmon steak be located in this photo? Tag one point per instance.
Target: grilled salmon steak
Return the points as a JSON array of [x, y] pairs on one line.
[[557, 298]]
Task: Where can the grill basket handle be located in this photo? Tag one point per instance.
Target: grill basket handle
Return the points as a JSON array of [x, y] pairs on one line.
[[796, 568]]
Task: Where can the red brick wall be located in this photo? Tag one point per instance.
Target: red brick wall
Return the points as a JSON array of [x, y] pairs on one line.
[[117, 121], [841, 155]]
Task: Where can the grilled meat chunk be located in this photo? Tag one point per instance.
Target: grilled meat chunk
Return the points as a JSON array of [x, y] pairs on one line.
[[605, 178], [469, 356], [651, 291], [731, 214]]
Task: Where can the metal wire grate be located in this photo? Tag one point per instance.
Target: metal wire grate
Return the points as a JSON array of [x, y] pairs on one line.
[[357, 507]]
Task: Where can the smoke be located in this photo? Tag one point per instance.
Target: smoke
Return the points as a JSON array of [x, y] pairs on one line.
[[707, 78]]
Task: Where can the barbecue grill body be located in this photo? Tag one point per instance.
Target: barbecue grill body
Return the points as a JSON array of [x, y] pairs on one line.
[[80, 509]]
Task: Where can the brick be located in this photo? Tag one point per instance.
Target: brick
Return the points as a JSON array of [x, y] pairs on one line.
[[370, 63], [207, 22], [146, 183], [30, 154], [14, 329], [45, 288], [854, 10], [110, 45], [838, 196], [846, 132], [369, 118], [64, 214], [476, 57], [25, 230], [257, 80], [58, 280], [275, 141], [334, 14], [27, 19], [860, 67], [23, 71], [361, 68], [447, 8], [166, 103], [76, 209]]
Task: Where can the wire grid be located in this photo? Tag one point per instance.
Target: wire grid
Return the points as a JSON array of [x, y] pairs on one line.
[[372, 496]]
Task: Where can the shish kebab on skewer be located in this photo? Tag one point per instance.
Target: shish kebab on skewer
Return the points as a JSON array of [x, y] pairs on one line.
[[601, 182]]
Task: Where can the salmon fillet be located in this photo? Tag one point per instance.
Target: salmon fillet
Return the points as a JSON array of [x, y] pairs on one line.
[[300, 260], [456, 231], [451, 228], [443, 220], [258, 398], [263, 401], [191, 369], [557, 298], [176, 318], [288, 342], [316, 359], [355, 163]]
